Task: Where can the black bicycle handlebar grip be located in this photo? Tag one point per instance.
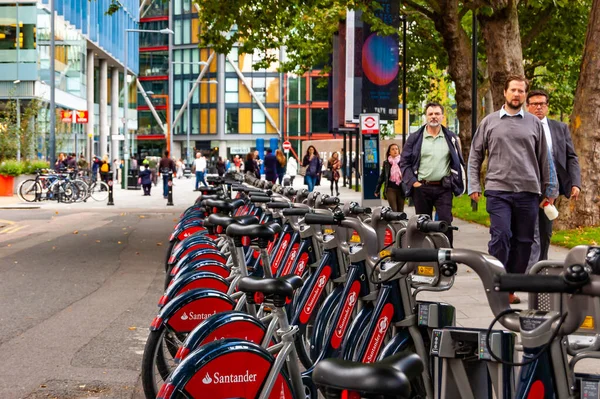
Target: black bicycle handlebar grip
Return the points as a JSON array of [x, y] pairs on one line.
[[260, 199], [295, 211], [394, 216], [330, 201], [533, 283], [291, 191], [431, 226], [315, 218], [357, 210], [415, 255], [279, 205]]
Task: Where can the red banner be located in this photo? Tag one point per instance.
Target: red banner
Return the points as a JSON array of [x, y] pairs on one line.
[[66, 116], [81, 117]]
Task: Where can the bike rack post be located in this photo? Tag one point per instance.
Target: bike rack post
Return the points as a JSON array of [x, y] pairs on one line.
[[170, 192], [110, 193]]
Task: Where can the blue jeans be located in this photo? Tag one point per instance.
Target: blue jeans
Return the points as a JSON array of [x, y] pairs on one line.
[[200, 178], [165, 185], [311, 181]]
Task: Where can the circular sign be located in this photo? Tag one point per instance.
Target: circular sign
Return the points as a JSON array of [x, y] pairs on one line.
[[170, 183], [287, 145], [110, 182], [369, 122]]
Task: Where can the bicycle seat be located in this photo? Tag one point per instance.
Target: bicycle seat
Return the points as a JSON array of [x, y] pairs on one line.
[[223, 205], [224, 221], [388, 377], [280, 286], [266, 231]]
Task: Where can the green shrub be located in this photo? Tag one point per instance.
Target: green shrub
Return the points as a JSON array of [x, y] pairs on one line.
[[11, 168], [31, 167]]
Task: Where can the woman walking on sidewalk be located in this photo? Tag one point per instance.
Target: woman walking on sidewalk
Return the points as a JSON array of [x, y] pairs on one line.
[[334, 165], [391, 177]]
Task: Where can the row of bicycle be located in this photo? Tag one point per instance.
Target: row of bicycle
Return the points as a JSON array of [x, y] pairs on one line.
[[267, 297], [65, 186]]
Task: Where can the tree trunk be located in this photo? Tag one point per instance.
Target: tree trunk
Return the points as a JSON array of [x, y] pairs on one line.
[[586, 136], [503, 46], [456, 43]]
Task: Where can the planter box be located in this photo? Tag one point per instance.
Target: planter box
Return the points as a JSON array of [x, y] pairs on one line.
[[6, 186], [20, 179]]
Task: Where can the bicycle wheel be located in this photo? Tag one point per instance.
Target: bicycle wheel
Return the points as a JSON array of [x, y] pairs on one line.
[[29, 190], [99, 191], [158, 359], [80, 190]]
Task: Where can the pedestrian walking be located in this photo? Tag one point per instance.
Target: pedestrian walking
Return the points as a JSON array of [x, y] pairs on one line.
[[292, 169], [519, 171], [61, 162], [257, 164], [221, 168], [431, 166], [199, 168], [566, 163], [250, 165], [334, 166], [166, 166], [237, 161], [313, 165], [270, 164], [390, 178], [95, 168], [179, 166], [281, 165], [145, 176], [105, 175]]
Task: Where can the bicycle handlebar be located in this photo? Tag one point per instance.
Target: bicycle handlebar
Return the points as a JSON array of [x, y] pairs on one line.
[[330, 201], [315, 218], [431, 226], [415, 255], [533, 283], [393, 216]]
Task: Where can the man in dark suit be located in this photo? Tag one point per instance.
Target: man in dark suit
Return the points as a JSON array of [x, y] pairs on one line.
[[559, 140]]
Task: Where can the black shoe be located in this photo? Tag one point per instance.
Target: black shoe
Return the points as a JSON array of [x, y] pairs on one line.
[[338, 194]]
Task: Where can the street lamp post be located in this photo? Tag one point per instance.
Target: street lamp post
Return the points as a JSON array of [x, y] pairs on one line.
[[16, 82], [126, 100]]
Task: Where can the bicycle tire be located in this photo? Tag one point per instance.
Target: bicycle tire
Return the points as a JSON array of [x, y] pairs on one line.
[[156, 368], [29, 190], [81, 190], [99, 191]]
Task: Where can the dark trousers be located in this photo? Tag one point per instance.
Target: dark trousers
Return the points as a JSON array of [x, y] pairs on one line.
[[545, 234], [427, 197], [337, 188], [396, 199], [512, 223], [147, 188]]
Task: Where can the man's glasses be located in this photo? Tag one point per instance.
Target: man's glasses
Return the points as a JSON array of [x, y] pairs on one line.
[[538, 104]]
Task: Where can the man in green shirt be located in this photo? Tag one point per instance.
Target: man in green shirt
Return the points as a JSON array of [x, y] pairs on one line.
[[431, 166]]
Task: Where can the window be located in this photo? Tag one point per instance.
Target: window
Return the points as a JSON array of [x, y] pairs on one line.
[[186, 61], [154, 63], [258, 121], [187, 29], [318, 93], [177, 92], [152, 39], [178, 33], [177, 57], [319, 120], [195, 60], [259, 85], [231, 120], [177, 8], [296, 121], [157, 8], [186, 6], [231, 90], [233, 55], [147, 124], [297, 90]]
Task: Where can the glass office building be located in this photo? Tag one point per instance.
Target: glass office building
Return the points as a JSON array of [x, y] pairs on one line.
[[89, 55]]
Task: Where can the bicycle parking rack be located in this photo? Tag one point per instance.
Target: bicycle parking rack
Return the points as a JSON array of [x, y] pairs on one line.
[[463, 367], [585, 342]]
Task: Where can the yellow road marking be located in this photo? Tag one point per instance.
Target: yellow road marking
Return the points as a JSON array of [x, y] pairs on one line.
[[12, 229]]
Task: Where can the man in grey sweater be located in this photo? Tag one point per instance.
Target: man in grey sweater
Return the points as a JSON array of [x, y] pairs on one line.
[[519, 170]]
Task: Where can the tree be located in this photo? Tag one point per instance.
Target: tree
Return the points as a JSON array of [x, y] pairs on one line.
[[10, 133], [584, 130]]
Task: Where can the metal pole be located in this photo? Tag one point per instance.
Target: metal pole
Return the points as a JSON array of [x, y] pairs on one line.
[[474, 103], [357, 163], [345, 158], [170, 82], [350, 161], [18, 128], [189, 128], [404, 91], [125, 176], [52, 149]]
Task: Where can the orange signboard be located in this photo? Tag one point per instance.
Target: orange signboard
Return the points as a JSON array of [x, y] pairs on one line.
[[66, 116], [81, 117]]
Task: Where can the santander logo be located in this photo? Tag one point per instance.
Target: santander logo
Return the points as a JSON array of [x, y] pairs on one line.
[[383, 325], [346, 315], [196, 316], [218, 378], [315, 294]]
